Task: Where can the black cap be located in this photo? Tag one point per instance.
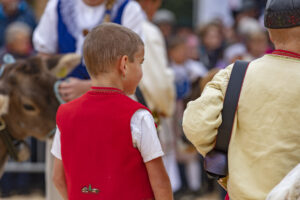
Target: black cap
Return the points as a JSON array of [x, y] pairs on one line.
[[282, 14]]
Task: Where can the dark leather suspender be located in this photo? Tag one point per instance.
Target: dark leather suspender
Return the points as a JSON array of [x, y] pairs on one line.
[[215, 162]]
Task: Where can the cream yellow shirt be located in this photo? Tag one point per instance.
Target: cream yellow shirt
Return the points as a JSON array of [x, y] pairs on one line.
[[265, 142]]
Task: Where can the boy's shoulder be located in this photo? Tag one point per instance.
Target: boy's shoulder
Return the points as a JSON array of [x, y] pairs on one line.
[[119, 100], [70, 106], [131, 102]]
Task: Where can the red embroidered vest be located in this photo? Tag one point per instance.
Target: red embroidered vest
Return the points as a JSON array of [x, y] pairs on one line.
[[99, 159]]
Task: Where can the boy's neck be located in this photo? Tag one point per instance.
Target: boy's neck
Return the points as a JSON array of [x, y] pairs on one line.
[[107, 80]]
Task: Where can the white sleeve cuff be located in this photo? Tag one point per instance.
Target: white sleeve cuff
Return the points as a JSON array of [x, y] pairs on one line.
[[56, 147], [153, 156]]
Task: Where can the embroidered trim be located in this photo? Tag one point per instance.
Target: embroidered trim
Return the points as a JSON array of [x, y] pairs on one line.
[[281, 52], [106, 90]]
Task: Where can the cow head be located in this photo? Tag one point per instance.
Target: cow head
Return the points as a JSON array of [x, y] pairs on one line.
[[27, 100]]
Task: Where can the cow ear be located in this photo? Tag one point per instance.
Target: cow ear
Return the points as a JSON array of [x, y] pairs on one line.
[[62, 65], [32, 66], [4, 104]]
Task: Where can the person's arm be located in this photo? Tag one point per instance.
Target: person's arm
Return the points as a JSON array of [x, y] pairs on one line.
[[146, 140], [159, 179], [203, 117], [59, 179], [45, 34], [157, 83], [133, 18]]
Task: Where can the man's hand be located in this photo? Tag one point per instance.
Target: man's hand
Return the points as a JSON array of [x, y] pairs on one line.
[[73, 88]]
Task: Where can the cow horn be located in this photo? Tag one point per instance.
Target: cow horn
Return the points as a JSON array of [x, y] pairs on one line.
[[66, 64], [4, 104]]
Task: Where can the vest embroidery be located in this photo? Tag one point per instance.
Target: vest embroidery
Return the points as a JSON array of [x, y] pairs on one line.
[[89, 189]]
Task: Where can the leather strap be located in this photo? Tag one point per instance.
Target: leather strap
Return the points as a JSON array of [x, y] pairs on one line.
[[230, 105], [140, 97], [9, 143]]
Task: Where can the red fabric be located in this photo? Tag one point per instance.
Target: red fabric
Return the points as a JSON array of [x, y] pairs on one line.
[[97, 149], [286, 53], [227, 197]]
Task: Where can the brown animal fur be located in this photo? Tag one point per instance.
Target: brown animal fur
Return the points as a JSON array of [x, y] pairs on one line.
[[32, 102]]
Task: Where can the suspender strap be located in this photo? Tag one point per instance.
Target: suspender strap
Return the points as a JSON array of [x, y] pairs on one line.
[[140, 97], [215, 161], [230, 104]]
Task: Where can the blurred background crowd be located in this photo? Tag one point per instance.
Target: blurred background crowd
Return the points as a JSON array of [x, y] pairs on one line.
[[201, 37]]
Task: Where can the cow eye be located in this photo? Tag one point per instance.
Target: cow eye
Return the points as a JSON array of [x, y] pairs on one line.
[[28, 107]]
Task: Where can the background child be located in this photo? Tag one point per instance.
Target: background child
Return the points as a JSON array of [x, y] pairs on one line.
[[187, 72], [17, 41], [118, 154]]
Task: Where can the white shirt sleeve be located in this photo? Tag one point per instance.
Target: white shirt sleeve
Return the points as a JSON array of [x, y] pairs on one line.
[[45, 35], [133, 18], [144, 135], [56, 149]]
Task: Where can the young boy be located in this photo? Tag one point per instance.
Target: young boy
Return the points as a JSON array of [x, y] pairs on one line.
[[62, 29], [109, 145]]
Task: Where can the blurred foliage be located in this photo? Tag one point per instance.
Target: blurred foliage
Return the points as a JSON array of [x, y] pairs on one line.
[[183, 10]]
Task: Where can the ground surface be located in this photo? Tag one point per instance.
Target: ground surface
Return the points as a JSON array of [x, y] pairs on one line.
[[213, 196]]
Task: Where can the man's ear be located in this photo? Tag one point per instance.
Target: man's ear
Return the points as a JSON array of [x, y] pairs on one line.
[[123, 65]]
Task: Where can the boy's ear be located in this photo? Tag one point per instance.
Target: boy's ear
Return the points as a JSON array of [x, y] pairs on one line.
[[123, 65]]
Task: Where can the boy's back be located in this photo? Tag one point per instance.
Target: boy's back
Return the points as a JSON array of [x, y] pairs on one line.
[[99, 123], [96, 155]]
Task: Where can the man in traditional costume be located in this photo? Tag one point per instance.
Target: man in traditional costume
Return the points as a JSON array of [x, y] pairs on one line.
[[265, 139]]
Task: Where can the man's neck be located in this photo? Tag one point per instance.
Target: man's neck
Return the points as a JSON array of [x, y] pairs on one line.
[[292, 46]]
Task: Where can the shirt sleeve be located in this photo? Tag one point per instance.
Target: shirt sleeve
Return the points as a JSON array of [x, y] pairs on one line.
[[144, 135], [45, 35], [203, 117], [133, 18], [157, 83], [56, 147]]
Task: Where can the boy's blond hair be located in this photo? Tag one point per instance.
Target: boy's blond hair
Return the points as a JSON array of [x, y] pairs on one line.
[[105, 44]]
